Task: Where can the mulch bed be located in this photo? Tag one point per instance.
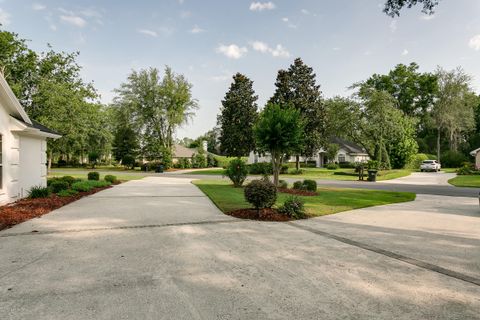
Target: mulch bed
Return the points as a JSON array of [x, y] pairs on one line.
[[298, 192], [265, 215], [26, 209]]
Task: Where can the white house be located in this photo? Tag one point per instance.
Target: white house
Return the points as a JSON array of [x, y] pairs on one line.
[[347, 152], [476, 153], [23, 148]]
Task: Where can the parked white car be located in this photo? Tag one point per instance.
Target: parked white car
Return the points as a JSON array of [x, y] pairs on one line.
[[430, 165]]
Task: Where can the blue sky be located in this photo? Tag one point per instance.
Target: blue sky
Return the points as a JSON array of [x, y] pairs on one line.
[[209, 40]]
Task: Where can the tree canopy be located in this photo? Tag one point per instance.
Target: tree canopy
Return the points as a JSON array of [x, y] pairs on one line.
[[393, 7]]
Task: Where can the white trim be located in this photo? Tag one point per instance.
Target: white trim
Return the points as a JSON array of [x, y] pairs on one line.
[[12, 102]]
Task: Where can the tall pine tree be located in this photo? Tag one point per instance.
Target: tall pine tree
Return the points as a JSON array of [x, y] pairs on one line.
[[237, 118], [297, 87]]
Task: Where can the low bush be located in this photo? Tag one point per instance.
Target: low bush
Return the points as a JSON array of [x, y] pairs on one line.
[[347, 165], [452, 159], [310, 185], [417, 160], [282, 184], [260, 168], [332, 166], [94, 176], [297, 185], [468, 169], [261, 194], [297, 172], [284, 169], [237, 171], [84, 186], [38, 192], [69, 179], [59, 185], [110, 178], [294, 207], [67, 193]]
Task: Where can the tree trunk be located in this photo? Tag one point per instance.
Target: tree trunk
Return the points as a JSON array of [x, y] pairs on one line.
[[276, 163], [297, 162], [438, 145], [49, 162]]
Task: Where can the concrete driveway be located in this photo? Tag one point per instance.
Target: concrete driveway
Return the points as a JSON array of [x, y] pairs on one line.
[[424, 179], [159, 249]]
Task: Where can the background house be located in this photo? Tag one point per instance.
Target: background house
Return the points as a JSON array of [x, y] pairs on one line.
[[23, 148], [181, 152], [347, 152]]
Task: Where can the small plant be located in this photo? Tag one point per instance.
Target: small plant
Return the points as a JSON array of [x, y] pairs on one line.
[[260, 168], [85, 186], [373, 165], [110, 178], [38, 192], [94, 176], [67, 193], [293, 207], [297, 185], [68, 179], [297, 172], [310, 185], [237, 172], [332, 166], [284, 169], [58, 185], [261, 194], [282, 184]]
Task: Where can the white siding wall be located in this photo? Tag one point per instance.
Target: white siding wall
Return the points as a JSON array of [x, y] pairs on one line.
[[10, 155], [32, 164]]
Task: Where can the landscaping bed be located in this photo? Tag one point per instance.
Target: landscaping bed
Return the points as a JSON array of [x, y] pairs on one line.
[[268, 214], [26, 209]]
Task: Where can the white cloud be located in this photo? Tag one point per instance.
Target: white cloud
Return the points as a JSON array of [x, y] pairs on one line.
[[4, 17], [427, 17], [405, 52], [147, 32], [289, 24], [196, 29], [277, 51], [38, 7], [474, 42], [260, 6], [393, 25], [74, 20], [305, 11], [232, 51]]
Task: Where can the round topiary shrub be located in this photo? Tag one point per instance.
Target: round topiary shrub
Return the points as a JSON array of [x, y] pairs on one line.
[[282, 184], [110, 178], [68, 179], [294, 207], [297, 185], [237, 171], [94, 176], [261, 194], [310, 185], [59, 185]]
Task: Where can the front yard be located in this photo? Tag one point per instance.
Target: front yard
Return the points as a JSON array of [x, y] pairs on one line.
[[328, 201], [322, 173], [471, 181]]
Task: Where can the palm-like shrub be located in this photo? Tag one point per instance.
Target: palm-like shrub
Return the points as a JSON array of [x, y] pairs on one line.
[[237, 171], [38, 192], [293, 207]]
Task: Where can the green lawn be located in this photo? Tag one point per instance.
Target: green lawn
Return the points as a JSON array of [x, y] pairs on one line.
[[329, 200], [322, 173], [472, 181], [121, 177]]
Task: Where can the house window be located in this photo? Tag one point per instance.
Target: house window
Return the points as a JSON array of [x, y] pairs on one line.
[[1, 163], [341, 158]]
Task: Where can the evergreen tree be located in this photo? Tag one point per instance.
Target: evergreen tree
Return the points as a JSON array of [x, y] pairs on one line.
[[296, 87], [237, 118]]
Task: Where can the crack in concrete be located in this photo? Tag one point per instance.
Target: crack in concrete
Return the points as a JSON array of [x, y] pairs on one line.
[[393, 255]]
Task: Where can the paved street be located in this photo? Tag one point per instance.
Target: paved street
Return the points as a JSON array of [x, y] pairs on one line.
[[157, 248]]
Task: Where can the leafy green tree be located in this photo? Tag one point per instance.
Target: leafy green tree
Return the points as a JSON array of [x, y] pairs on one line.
[[279, 131], [237, 118], [157, 107], [393, 7], [296, 87], [125, 145], [453, 112], [332, 150]]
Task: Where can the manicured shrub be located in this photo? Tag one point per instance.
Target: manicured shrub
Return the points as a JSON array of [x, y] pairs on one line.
[[69, 179], [212, 162], [297, 172], [93, 175], [331, 166], [298, 185], [260, 168], [261, 194], [51, 180], [38, 192], [110, 178], [284, 169], [67, 193], [282, 184], [59, 185], [452, 159], [293, 207], [310, 185], [347, 165], [237, 172], [416, 161], [84, 186]]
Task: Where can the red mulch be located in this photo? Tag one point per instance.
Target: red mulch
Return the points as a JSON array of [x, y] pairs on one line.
[[298, 192], [265, 215], [26, 209]]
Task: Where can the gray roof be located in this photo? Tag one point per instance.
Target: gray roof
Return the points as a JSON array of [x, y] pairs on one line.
[[38, 125], [347, 145], [180, 151]]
